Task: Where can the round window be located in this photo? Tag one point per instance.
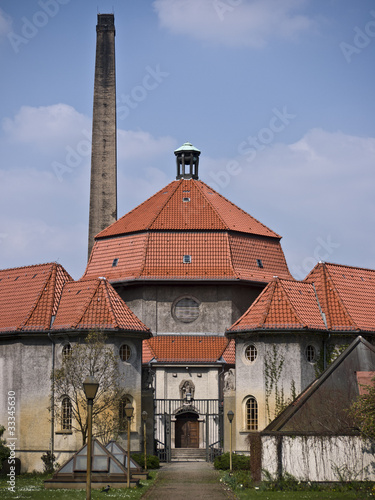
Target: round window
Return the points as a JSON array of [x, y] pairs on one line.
[[310, 353], [251, 353], [186, 310], [125, 352]]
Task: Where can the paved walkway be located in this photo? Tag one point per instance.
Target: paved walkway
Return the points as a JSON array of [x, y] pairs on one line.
[[188, 481]]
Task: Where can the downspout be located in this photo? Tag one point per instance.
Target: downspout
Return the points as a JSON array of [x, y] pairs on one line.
[[325, 341], [52, 392]]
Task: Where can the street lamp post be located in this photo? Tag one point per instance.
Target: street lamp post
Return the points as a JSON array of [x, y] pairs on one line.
[[90, 386], [129, 413], [144, 418], [230, 415]]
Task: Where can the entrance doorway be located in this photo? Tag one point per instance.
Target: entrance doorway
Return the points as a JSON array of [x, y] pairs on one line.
[[187, 430]]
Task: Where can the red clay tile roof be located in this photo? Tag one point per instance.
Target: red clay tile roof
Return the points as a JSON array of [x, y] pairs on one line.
[[224, 242], [94, 304], [365, 380], [186, 349], [347, 296], [29, 296], [214, 255], [283, 304], [206, 210], [229, 355]]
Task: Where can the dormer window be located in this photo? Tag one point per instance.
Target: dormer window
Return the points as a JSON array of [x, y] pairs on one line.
[[115, 262], [260, 263], [186, 259], [185, 199]]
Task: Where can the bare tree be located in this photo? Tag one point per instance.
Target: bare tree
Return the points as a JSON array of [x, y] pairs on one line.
[[90, 357]]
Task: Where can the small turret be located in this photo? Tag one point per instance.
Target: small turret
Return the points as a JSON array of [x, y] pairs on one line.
[[187, 159]]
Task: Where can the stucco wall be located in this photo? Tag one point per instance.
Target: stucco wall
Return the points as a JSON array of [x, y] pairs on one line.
[[205, 380], [25, 368], [220, 305], [320, 458], [252, 381]]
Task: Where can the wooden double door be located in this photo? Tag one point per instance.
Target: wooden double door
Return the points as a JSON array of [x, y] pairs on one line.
[[187, 431]]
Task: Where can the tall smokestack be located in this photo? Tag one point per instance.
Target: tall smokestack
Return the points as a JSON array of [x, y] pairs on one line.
[[103, 187]]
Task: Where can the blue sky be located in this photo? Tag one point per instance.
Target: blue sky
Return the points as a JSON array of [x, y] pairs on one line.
[[277, 94]]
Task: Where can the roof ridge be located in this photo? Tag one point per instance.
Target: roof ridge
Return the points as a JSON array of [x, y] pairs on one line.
[[231, 258], [108, 299], [243, 211], [144, 257], [305, 325], [272, 286], [166, 201], [30, 266], [39, 296], [349, 267], [338, 297], [85, 307], [211, 205], [150, 347]]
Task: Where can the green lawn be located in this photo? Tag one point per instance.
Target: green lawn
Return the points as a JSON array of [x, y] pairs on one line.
[[32, 487], [251, 494], [290, 489]]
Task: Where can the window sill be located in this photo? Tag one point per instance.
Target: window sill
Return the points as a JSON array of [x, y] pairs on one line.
[[64, 432]]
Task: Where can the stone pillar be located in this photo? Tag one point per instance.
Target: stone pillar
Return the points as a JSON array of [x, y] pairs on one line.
[[103, 187]]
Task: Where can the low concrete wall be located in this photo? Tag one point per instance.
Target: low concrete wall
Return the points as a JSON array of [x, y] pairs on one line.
[[319, 458]]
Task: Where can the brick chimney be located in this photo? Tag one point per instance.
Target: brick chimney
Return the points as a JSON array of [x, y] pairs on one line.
[[103, 186]]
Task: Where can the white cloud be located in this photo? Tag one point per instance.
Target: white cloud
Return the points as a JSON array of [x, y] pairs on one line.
[[47, 127], [317, 189], [5, 23], [234, 22], [142, 145]]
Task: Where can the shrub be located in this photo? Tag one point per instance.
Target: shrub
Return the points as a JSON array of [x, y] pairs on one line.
[[152, 460], [239, 462], [49, 461], [4, 450]]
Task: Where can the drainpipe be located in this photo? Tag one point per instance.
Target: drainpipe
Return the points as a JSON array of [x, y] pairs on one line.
[[325, 342], [52, 394]]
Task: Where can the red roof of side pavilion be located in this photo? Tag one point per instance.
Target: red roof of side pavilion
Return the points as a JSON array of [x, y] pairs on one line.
[[332, 297]]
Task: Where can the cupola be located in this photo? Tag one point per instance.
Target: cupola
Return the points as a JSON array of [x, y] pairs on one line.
[[187, 159]]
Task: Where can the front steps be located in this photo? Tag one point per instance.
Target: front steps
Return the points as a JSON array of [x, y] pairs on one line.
[[188, 454]]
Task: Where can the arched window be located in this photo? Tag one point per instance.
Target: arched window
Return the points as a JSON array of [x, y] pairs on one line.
[[66, 350], [310, 353], [251, 414], [66, 413]]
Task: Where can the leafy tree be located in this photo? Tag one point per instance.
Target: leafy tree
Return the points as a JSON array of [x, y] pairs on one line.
[[363, 412], [91, 357], [4, 450]]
